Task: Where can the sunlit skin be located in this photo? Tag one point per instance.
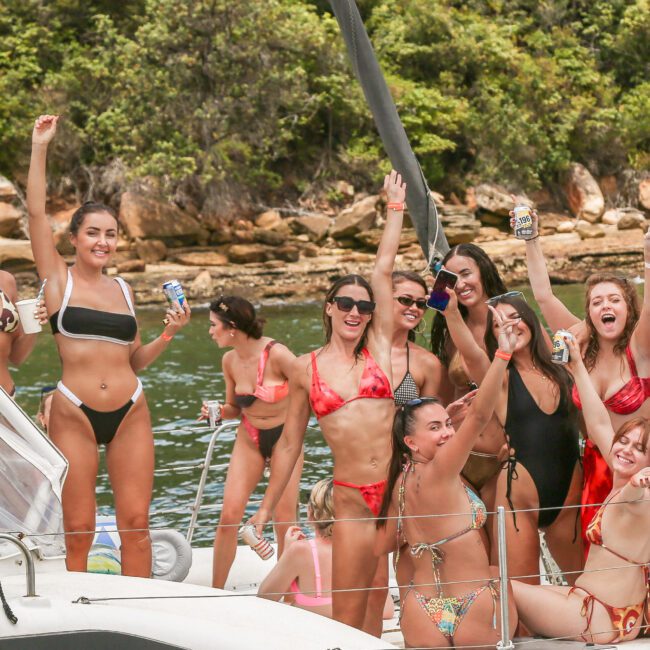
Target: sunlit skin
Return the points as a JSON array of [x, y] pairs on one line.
[[433, 429], [408, 318], [469, 287], [608, 310], [350, 325]]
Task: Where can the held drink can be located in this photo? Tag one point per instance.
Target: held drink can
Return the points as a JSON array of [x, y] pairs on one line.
[[173, 292], [260, 545], [560, 352], [523, 222], [213, 412]]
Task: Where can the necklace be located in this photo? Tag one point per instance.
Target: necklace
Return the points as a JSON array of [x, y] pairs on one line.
[[536, 371]]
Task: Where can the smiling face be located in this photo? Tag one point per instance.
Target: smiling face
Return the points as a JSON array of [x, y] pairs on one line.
[[407, 318], [351, 325], [521, 329], [431, 430], [608, 310], [96, 239], [630, 453], [219, 332], [469, 286]]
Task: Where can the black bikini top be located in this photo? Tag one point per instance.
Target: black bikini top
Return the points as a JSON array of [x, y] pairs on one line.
[[93, 324]]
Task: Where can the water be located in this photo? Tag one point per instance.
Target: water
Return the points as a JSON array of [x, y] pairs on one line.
[[187, 373]]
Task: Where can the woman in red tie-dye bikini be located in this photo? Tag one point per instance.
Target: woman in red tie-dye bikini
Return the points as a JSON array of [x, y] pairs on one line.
[[347, 384]]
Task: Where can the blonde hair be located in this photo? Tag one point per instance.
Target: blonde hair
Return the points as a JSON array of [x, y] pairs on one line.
[[321, 506]]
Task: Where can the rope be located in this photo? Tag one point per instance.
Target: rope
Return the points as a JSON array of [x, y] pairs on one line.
[[5, 605]]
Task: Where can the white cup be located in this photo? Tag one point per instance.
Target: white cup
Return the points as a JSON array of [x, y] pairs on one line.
[[28, 320]]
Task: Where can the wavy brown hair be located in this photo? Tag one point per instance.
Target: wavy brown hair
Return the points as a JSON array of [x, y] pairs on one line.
[[630, 425], [633, 313]]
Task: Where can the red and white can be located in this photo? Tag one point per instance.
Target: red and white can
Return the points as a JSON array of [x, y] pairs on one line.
[[259, 544]]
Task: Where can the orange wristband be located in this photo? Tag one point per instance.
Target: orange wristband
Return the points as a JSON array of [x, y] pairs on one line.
[[166, 337], [395, 206], [500, 354]]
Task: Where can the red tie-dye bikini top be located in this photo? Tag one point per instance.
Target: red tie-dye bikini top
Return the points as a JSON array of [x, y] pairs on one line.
[[373, 384], [630, 397]]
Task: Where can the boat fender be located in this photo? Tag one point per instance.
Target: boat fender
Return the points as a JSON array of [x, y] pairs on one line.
[[171, 555]]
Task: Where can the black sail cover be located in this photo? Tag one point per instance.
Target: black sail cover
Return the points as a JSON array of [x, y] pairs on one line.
[[422, 209]]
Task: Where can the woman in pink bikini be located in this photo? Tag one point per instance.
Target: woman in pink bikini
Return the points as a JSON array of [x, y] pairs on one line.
[[347, 384], [255, 372], [607, 602], [617, 354], [305, 568]]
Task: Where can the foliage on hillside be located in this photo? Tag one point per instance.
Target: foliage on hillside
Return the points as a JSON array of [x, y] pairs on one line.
[[256, 98]]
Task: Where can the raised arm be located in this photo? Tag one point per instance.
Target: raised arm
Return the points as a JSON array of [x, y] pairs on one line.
[[49, 263], [641, 336], [381, 281], [557, 316], [475, 358], [451, 458], [290, 444], [597, 421]]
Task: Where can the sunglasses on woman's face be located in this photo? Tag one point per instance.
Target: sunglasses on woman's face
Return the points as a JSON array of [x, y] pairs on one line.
[[407, 301], [510, 294], [347, 304]]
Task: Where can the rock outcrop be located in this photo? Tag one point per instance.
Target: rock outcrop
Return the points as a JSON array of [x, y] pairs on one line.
[[584, 196]]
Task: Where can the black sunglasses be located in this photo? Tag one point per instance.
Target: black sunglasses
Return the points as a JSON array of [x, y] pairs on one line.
[[347, 304], [407, 301], [509, 294]]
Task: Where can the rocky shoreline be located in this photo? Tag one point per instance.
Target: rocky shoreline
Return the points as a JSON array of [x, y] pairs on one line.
[[292, 255]]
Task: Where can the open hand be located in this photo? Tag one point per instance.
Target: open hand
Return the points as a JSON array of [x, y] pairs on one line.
[[394, 187], [575, 357], [176, 318], [44, 129], [259, 520], [458, 410], [293, 534]]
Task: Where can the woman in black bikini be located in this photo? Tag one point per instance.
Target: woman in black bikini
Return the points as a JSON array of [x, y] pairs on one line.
[[15, 345], [419, 369], [99, 398], [535, 411], [256, 373]]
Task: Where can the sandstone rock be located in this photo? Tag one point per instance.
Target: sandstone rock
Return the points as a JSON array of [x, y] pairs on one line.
[[61, 218], [609, 187], [566, 226], [314, 226], [287, 253], [459, 224], [243, 236], [150, 251], [490, 233], [201, 258], [302, 238], [131, 266], [611, 217], [585, 199], [243, 224], [221, 236], [589, 230], [61, 235], [146, 218], [7, 190], [497, 199], [644, 194], [344, 188], [268, 220], [359, 217], [201, 286], [10, 217], [310, 250], [247, 253], [470, 199], [16, 254], [270, 237], [630, 219]]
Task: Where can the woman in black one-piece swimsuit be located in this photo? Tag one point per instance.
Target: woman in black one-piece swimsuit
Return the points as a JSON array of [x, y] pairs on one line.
[[543, 474]]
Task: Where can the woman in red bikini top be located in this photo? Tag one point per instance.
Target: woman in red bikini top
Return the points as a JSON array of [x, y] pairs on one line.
[[617, 354], [606, 605], [347, 384], [256, 372]]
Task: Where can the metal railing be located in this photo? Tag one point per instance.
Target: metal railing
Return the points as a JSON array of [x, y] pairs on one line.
[[29, 562]]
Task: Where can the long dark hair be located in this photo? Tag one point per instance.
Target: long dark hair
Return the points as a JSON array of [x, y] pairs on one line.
[[346, 280], [492, 285], [409, 276], [539, 350], [403, 426], [633, 313]]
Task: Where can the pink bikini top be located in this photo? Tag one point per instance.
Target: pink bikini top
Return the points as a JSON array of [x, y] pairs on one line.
[[374, 385], [630, 397], [268, 394], [311, 601]]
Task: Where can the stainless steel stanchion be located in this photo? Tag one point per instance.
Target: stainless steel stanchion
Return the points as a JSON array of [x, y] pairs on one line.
[[506, 642]]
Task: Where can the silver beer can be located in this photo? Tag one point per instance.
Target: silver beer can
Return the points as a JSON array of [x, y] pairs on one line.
[[214, 412], [560, 352], [523, 222]]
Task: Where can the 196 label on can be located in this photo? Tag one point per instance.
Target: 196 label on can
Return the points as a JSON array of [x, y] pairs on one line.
[[173, 292], [523, 222], [560, 352]]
